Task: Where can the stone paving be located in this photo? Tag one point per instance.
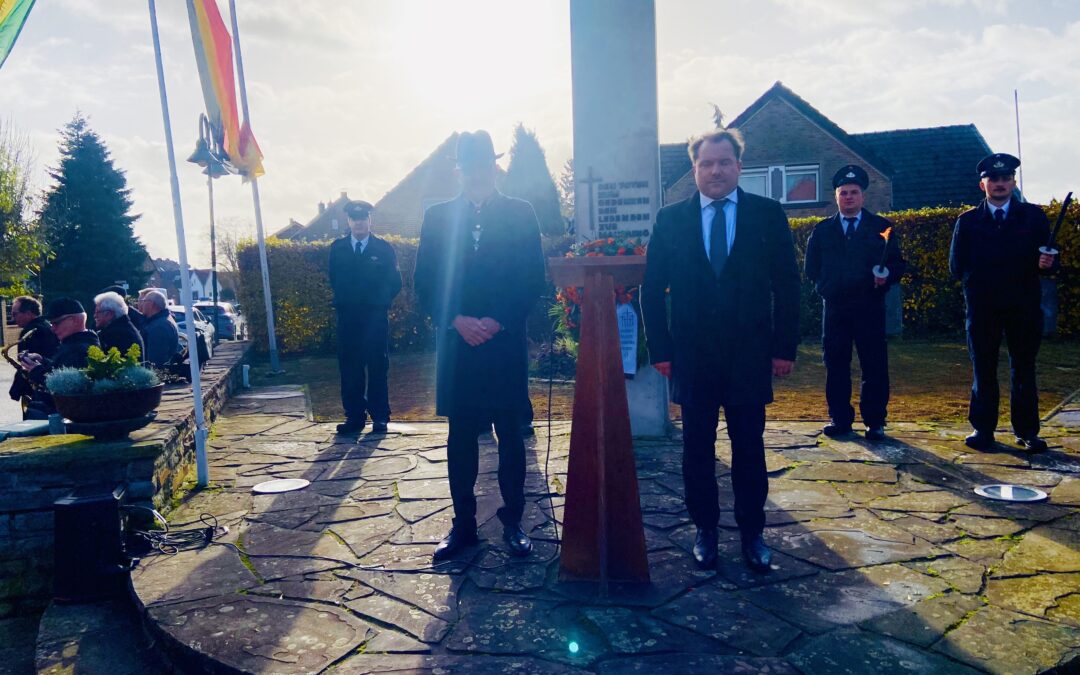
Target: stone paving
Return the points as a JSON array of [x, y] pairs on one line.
[[885, 559]]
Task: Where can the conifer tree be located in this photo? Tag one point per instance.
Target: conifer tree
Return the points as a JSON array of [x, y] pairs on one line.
[[528, 178]]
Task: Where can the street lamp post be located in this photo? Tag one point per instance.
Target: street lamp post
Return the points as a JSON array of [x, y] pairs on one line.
[[213, 167]]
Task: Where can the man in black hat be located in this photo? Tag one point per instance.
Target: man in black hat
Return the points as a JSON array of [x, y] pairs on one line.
[[365, 279], [842, 258], [35, 336], [995, 253], [479, 269], [68, 320]]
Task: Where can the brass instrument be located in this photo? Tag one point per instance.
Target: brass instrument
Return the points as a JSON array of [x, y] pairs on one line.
[[19, 372]]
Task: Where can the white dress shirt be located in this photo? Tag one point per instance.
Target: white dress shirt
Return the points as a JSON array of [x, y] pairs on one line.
[[358, 245]]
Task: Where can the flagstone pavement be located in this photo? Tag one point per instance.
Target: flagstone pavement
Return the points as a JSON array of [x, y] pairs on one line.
[[885, 559]]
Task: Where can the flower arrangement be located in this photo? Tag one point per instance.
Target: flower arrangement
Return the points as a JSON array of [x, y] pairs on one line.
[[567, 308], [104, 373]]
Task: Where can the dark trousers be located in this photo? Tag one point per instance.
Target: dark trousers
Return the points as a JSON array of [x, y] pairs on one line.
[[749, 480], [463, 462], [364, 362], [863, 326], [1022, 329]]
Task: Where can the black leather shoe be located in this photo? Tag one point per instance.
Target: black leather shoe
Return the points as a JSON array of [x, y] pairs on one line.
[[378, 427], [875, 433], [1032, 443], [352, 426], [455, 542], [517, 541], [757, 555], [979, 440], [705, 548], [832, 430]]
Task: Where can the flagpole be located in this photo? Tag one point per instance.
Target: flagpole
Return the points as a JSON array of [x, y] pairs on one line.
[[275, 366], [203, 467]]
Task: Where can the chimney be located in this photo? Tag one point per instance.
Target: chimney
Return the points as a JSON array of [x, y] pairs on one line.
[[344, 195], [322, 207]]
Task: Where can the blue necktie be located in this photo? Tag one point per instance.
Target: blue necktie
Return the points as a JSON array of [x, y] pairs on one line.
[[850, 231], [718, 246]]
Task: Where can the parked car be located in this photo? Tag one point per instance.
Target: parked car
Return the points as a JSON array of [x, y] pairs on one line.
[[230, 323], [204, 330]]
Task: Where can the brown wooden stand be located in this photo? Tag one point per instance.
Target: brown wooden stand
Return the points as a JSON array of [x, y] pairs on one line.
[[603, 537]]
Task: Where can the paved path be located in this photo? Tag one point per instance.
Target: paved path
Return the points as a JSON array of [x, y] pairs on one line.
[[9, 410], [886, 561]]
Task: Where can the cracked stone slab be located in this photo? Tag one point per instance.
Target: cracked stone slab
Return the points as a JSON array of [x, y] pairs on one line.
[[926, 621], [826, 601], [497, 570], [850, 542], [986, 551], [1001, 641], [191, 575], [1050, 596], [475, 664], [211, 501], [630, 632], [411, 556], [844, 472], [697, 663], [409, 618], [1043, 550], [435, 593], [254, 634], [325, 588], [992, 509], [977, 526], [936, 501], [672, 572], [392, 466], [724, 615], [856, 652], [494, 624], [867, 493], [1067, 493], [418, 510], [927, 529], [364, 536], [963, 575], [297, 499]]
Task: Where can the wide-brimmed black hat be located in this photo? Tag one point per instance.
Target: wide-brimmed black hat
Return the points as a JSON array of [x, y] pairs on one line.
[[475, 148], [62, 307], [358, 209], [997, 164], [851, 174]]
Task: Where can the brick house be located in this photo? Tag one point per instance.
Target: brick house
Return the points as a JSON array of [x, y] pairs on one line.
[[793, 150]]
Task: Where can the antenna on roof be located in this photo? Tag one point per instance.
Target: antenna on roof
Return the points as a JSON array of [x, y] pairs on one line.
[[1019, 154]]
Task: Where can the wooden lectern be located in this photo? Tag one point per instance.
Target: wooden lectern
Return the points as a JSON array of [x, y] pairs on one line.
[[603, 538]]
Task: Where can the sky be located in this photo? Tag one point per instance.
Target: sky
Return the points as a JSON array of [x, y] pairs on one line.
[[350, 95]]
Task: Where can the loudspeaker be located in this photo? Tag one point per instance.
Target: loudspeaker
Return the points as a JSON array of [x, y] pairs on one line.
[[88, 549]]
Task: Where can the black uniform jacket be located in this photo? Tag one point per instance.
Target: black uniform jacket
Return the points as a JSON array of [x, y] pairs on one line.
[[500, 278], [41, 341], [70, 354], [121, 333], [722, 334], [364, 281], [842, 269], [999, 264]]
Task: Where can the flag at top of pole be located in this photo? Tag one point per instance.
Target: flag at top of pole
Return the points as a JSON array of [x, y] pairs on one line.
[[214, 57], [13, 15]]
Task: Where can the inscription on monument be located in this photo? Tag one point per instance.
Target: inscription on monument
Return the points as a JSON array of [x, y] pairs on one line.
[[624, 208]]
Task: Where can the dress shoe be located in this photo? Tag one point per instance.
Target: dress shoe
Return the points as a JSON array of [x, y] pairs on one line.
[[832, 429], [352, 426], [457, 540], [980, 440], [875, 433], [757, 555], [1032, 443], [378, 427], [517, 541], [705, 548]]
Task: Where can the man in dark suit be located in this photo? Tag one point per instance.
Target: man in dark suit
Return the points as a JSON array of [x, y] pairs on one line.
[[995, 253], [479, 269], [727, 257], [114, 327], [842, 258], [365, 279], [35, 336]]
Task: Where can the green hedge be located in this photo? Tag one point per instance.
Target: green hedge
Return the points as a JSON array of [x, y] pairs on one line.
[[933, 303]]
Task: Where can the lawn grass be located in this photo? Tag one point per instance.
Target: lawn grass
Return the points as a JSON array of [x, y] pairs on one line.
[[931, 382]]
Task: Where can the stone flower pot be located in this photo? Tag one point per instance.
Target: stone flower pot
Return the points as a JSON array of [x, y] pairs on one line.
[[114, 405]]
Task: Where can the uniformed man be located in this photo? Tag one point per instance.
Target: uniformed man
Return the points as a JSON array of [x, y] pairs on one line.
[[365, 279], [841, 258], [995, 253]]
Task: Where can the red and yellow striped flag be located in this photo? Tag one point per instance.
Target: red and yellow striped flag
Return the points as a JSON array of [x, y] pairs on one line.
[[13, 15], [214, 57]]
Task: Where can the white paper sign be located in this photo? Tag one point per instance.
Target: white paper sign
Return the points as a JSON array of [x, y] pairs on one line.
[[628, 336]]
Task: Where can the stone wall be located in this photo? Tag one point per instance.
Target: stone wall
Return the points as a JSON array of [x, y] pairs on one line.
[[151, 464]]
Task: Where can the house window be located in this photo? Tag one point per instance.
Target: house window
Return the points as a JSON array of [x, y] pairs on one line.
[[787, 184]]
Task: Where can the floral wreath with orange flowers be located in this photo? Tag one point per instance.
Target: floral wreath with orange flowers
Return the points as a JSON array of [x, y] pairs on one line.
[[567, 308]]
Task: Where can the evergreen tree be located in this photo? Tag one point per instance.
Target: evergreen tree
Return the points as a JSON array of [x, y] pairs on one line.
[[528, 178], [566, 189], [87, 221]]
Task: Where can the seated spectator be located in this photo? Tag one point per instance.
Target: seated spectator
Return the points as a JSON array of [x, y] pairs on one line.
[[35, 336], [160, 334], [134, 314], [68, 319], [114, 326]]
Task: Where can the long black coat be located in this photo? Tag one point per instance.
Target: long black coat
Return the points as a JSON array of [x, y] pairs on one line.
[[723, 333], [999, 266], [842, 268], [363, 281], [121, 333], [42, 341], [501, 279]]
